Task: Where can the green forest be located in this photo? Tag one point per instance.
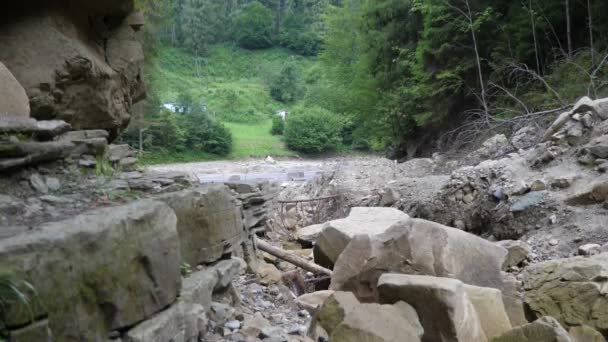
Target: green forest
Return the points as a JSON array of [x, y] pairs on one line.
[[400, 77]]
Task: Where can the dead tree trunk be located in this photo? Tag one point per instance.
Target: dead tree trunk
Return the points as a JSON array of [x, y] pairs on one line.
[[291, 258]]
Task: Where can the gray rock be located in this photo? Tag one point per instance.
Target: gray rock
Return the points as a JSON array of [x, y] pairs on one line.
[[583, 333], [344, 319], [389, 196], [68, 81], [447, 252], [47, 130], [569, 290], [525, 137], [590, 249], [518, 251], [528, 201], [127, 162], [37, 182], [227, 270], [31, 153], [209, 222], [336, 234], [545, 329], [310, 234], [53, 184], [598, 147], [311, 301], [118, 152], [444, 309], [220, 313], [127, 260], [84, 135], [198, 287], [55, 200], [13, 99], [168, 325]]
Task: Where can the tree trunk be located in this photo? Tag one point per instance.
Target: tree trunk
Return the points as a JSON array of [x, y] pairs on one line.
[[291, 258], [537, 54], [590, 14], [568, 28], [478, 59]]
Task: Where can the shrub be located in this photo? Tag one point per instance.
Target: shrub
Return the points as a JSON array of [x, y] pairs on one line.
[[253, 26], [165, 132], [278, 126], [286, 87], [313, 130], [201, 133]]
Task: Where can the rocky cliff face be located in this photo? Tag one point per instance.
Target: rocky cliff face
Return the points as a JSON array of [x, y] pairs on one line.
[[80, 62]]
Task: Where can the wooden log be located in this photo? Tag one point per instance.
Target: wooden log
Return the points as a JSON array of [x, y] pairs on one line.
[[291, 258]]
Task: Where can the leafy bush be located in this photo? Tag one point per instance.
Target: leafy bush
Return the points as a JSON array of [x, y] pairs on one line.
[[16, 296], [206, 135], [165, 132], [313, 130], [253, 26], [278, 126], [286, 86]]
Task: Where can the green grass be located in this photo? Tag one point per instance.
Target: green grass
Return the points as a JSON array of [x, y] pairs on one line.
[[233, 85], [255, 140], [232, 82], [250, 140]]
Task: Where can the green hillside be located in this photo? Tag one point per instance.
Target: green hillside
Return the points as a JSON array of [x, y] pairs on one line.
[[232, 83]]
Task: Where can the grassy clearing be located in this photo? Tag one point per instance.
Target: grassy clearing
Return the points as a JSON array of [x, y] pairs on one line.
[[232, 83], [255, 140], [250, 140]]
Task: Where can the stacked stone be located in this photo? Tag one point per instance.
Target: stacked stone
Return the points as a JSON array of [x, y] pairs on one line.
[[114, 273]]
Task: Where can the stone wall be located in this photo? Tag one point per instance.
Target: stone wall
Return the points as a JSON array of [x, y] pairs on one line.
[[114, 273]]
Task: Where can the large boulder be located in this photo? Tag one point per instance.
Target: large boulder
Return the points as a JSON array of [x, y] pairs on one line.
[[336, 234], [445, 311], [79, 61], [97, 272], [420, 247], [209, 222], [545, 329], [488, 304], [571, 290], [343, 319], [13, 99]]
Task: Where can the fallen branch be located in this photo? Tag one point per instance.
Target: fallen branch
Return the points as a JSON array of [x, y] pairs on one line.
[[291, 258]]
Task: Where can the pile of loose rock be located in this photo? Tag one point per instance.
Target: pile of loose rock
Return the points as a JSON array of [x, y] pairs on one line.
[[436, 283]]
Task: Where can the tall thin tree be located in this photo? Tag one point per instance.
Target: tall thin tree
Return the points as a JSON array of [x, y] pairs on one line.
[[568, 28], [468, 15], [590, 18], [533, 23]]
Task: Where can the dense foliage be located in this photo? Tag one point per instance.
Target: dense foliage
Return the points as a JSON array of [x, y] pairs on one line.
[[286, 87], [313, 130], [253, 26], [278, 126], [405, 75], [411, 69]]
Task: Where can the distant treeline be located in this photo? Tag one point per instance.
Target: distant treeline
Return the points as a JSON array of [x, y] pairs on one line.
[[403, 73]]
